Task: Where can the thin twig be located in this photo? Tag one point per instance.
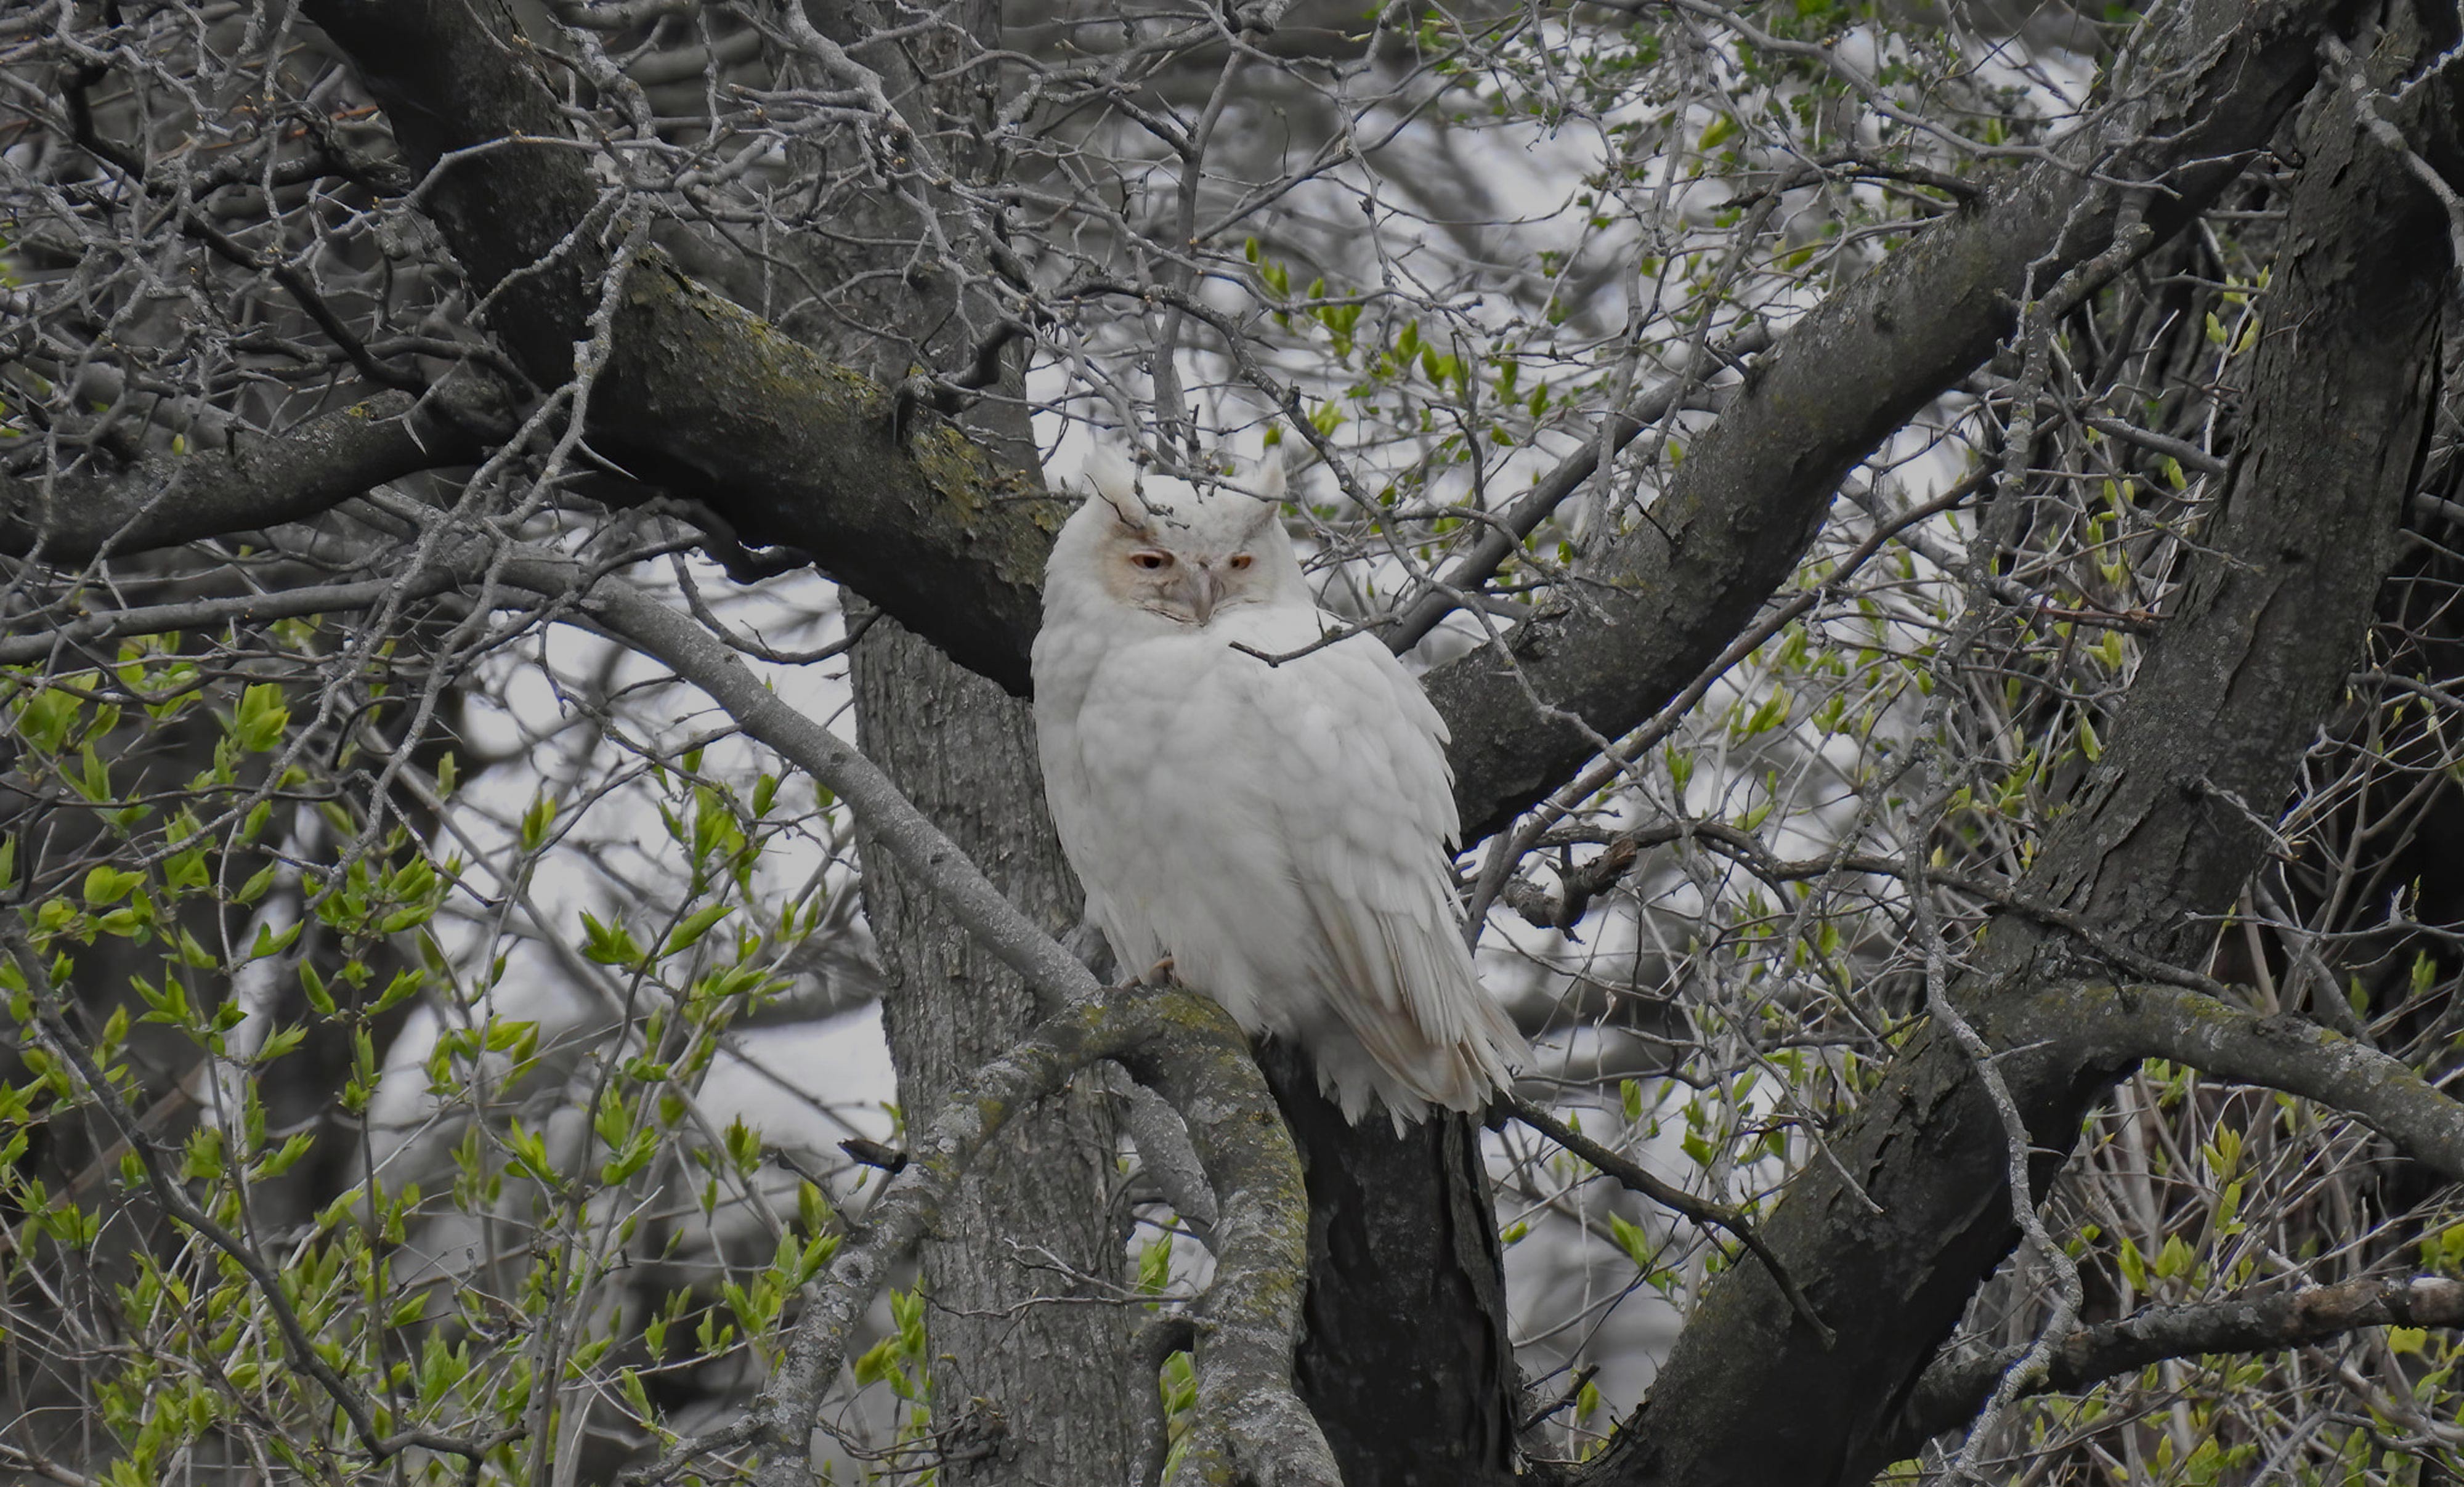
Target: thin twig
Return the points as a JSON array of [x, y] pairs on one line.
[[1632, 1176]]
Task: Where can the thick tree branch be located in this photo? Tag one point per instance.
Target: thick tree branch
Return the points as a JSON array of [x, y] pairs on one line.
[[1954, 1388], [249, 482], [697, 395], [796, 453], [2119, 1026], [1753, 488], [1909, 1211]]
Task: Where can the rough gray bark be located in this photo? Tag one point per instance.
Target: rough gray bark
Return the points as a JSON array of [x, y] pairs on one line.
[[1404, 1354], [2253, 654], [1031, 1260], [965, 755]]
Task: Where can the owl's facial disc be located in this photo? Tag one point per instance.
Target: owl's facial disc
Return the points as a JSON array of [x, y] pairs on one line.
[[1189, 587]]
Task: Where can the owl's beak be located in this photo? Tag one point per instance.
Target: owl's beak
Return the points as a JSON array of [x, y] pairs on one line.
[[1199, 587]]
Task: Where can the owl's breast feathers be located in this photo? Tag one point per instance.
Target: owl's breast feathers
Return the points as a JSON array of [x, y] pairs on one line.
[[1278, 830]]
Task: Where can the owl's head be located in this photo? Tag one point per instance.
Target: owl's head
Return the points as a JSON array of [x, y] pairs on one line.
[[1172, 549]]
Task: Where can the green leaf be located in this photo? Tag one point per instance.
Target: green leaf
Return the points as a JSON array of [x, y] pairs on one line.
[[530, 1153], [2176, 1259], [312, 986], [401, 988], [262, 717], [43, 720], [1632, 1238], [273, 942], [107, 884], [280, 1042], [878, 1363], [282, 1160], [536, 822], [609, 945], [684, 936]]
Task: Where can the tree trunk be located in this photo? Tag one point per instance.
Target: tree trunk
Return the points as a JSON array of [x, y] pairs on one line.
[[1404, 1357], [1034, 1220], [1030, 1355]]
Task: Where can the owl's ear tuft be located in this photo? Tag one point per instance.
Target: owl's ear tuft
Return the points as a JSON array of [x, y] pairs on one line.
[[1270, 479], [1267, 485], [1112, 478]]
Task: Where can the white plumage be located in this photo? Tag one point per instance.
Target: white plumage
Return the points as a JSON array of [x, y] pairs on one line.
[[1278, 830]]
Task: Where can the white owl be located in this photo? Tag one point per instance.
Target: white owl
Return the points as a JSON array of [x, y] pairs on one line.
[[1278, 830]]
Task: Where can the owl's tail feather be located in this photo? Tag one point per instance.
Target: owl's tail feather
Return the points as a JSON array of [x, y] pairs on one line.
[[1451, 1045], [1400, 1018]]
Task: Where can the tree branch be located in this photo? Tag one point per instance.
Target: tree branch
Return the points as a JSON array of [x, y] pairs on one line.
[[1739, 512], [1634, 1177], [251, 482], [1910, 1208], [1524, 515], [698, 394], [1953, 1388], [31, 971], [322, 598], [798, 453], [2119, 1026]]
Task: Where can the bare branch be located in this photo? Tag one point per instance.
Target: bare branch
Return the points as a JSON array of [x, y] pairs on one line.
[[49, 1009], [1528, 510], [819, 473], [1635, 1178], [1753, 488]]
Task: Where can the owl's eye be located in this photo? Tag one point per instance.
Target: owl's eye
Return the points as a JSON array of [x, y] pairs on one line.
[[1151, 560], [1239, 562]]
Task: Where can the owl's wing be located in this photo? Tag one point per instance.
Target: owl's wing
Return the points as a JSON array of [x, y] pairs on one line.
[[1366, 806]]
